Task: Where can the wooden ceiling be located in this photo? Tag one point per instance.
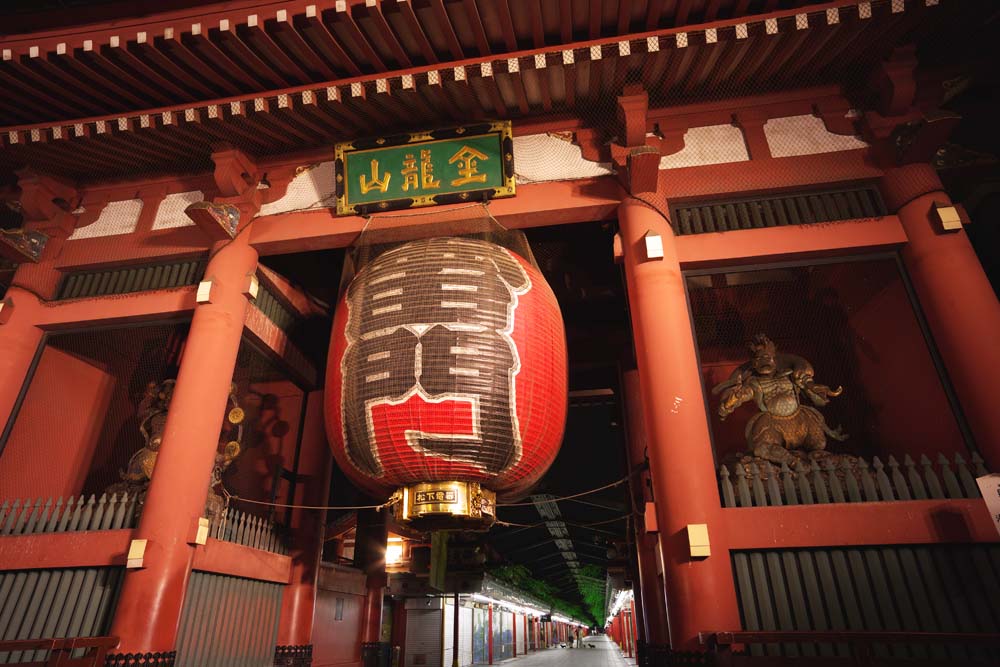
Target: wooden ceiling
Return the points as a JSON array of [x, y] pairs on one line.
[[152, 95]]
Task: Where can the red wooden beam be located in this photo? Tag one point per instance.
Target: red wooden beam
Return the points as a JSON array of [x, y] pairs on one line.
[[257, 38], [199, 43], [859, 524], [288, 35], [654, 10], [70, 85], [318, 112], [710, 54], [99, 548], [382, 27], [539, 205], [747, 246], [174, 49], [405, 9], [323, 41], [28, 93], [126, 59], [595, 19], [350, 26], [239, 561], [624, 17], [121, 309], [106, 71], [476, 23], [507, 25], [446, 28], [234, 47], [566, 21], [173, 69]]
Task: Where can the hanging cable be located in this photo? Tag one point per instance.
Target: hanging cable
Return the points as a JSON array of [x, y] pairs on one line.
[[231, 497], [575, 495]]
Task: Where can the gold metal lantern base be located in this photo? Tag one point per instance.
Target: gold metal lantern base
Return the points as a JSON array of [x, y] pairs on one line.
[[446, 505]]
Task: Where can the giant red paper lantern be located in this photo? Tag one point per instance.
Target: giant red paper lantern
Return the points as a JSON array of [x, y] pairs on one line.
[[446, 375]]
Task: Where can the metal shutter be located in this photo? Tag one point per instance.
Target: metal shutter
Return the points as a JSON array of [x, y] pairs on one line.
[[449, 634], [423, 637], [465, 636]]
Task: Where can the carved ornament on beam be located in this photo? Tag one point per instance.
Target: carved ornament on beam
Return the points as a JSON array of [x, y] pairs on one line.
[[218, 221], [22, 245]]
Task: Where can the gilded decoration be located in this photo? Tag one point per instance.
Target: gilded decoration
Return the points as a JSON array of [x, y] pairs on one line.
[[22, 245], [784, 430]]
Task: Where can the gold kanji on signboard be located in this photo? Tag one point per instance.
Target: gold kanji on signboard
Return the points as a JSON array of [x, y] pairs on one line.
[[467, 159]]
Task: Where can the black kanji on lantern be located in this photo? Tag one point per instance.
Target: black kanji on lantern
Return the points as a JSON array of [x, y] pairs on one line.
[[432, 319]]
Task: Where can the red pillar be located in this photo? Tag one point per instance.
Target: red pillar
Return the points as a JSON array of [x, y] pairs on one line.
[[299, 599], [371, 536], [19, 340], [700, 592], [20, 336], [149, 608], [651, 599], [513, 635], [634, 634], [371, 629], [956, 297]]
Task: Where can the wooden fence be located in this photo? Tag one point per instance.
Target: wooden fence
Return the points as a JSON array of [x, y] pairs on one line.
[[939, 588], [846, 483], [75, 514], [228, 622], [249, 530], [55, 603]]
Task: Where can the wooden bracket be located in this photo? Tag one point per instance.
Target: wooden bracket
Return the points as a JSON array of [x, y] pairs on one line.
[[218, 221], [643, 167], [633, 105], [235, 172], [46, 202], [894, 83]]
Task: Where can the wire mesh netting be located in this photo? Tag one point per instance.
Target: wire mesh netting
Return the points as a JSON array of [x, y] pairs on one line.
[[274, 407], [79, 424], [853, 321], [835, 45]]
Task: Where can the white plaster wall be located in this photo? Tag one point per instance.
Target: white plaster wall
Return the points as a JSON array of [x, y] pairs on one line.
[[170, 212], [313, 187], [543, 157], [117, 217], [712, 144], [805, 135]]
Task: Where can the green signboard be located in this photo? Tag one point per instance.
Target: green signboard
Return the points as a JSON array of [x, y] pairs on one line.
[[461, 164]]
